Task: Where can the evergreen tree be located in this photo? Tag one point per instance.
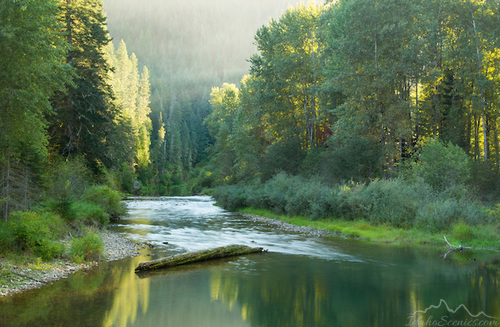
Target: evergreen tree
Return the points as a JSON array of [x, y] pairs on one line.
[[132, 93], [85, 116], [32, 68]]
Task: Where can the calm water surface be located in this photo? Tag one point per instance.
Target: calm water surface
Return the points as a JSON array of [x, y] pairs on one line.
[[302, 281]]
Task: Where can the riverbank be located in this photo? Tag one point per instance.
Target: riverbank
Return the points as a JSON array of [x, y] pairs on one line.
[[24, 273], [478, 237]]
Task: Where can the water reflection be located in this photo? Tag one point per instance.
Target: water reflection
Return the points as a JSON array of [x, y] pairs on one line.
[[302, 292], [131, 296]]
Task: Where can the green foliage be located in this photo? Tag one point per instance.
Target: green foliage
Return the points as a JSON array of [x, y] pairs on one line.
[[200, 179], [67, 179], [32, 69], [285, 156], [105, 197], [485, 179], [63, 208], [443, 166], [231, 197], [90, 214], [462, 231], [87, 248], [7, 241], [350, 158], [127, 178], [393, 202], [132, 96], [37, 232], [85, 119], [494, 213], [366, 88]]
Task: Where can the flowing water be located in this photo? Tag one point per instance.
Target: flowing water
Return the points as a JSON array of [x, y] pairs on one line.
[[301, 281]]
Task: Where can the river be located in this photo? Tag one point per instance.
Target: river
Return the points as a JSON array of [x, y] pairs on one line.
[[301, 281]]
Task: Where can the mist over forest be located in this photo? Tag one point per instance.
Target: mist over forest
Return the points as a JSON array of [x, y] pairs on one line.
[[189, 47]]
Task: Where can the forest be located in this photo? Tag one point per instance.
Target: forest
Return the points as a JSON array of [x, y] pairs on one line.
[[189, 47], [385, 111], [74, 122]]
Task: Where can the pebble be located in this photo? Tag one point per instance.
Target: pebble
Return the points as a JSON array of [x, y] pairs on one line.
[[281, 225]]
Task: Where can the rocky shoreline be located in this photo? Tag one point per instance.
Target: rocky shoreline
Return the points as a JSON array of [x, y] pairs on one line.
[[16, 279], [284, 226]]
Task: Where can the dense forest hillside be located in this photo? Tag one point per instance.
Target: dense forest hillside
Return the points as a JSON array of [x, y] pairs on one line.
[[189, 47]]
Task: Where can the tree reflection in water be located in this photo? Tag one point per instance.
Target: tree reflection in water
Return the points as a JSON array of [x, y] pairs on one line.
[[130, 297]]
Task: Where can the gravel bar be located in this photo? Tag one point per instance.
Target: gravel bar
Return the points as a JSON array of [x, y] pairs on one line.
[[284, 226], [17, 279]]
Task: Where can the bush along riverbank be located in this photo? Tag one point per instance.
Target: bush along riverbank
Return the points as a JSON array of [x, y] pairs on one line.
[[60, 237], [394, 210]]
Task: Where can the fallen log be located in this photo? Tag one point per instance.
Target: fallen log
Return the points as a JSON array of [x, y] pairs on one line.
[[198, 256]]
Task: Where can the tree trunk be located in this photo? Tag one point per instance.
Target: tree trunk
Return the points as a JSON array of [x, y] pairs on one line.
[[198, 256], [481, 92], [496, 143]]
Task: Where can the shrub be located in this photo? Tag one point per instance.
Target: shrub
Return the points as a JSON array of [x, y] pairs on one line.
[[279, 190], [350, 203], [395, 201], [485, 180], [285, 155], [231, 197], [68, 179], [90, 214], [494, 213], [350, 158], [437, 215], [87, 248], [443, 166], [107, 198], [61, 207], [440, 213], [37, 232]]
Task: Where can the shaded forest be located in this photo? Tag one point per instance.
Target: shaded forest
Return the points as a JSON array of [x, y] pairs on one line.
[[68, 134]]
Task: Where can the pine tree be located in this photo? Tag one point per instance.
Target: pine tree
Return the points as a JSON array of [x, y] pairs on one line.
[[84, 119]]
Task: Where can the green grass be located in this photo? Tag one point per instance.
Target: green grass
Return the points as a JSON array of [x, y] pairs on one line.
[[480, 236]]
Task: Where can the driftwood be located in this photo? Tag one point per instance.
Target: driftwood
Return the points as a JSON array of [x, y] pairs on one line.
[[453, 248], [198, 256]]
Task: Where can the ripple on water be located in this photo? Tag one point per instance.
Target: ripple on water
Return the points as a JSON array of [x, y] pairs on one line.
[[192, 224]]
